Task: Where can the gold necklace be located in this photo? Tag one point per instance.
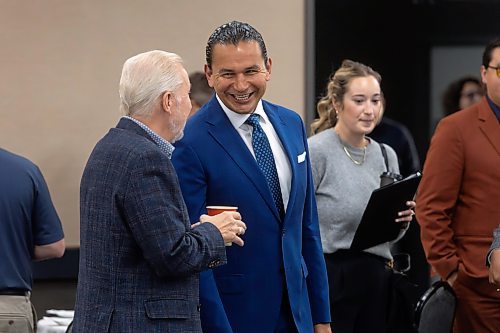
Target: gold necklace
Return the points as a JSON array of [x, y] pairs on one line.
[[349, 154], [352, 158]]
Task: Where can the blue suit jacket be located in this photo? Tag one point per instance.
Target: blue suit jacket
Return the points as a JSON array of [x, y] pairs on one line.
[[215, 167], [139, 257]]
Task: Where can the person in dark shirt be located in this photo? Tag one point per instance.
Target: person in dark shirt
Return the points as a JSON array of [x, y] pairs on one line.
[[30, 229], [397, 135], [400, 139]]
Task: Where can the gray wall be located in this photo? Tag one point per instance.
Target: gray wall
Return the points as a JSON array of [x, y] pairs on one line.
[[449, 63]]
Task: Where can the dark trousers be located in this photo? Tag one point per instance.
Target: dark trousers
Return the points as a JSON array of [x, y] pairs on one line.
[[359, 292]]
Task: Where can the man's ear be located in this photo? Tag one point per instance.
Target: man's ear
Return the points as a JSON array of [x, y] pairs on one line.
[[167, 100], [269, 66], [483, 76], [209, 75]]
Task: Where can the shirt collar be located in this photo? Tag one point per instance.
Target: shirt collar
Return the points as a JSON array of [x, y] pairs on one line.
[[238, 119], [163, 144], [496, 108]]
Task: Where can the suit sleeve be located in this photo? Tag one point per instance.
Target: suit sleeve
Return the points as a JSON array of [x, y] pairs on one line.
[[437, 195], [156, 215], [312, 251], [194, 189]]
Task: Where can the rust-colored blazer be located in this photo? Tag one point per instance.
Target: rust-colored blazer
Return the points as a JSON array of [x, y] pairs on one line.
[[458, 200]]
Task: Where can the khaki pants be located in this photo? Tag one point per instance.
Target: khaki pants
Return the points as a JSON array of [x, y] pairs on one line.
[[16, 314]]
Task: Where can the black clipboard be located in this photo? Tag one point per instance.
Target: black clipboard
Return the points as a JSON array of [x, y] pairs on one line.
[[377, 225]]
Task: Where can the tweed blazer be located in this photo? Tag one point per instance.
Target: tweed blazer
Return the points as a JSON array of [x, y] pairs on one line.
[[458, 198], [215, 167], [139, 256]]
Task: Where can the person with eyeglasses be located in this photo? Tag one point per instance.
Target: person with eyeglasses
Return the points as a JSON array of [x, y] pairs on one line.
[[461, 94], [459, 201], [241, 150]]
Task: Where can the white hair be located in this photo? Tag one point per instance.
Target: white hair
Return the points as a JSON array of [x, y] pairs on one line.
[[145, 77]]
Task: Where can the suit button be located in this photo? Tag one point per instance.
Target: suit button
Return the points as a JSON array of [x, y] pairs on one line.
[[213, 263], [198, 307]]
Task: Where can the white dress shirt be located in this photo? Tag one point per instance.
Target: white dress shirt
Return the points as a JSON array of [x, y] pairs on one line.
[[280, 158]]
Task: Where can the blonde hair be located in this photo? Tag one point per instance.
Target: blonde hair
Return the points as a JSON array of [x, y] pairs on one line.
[[335, 91], [145, 77]]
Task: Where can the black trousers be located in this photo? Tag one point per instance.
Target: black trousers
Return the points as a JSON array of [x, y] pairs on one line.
[[359, 291]]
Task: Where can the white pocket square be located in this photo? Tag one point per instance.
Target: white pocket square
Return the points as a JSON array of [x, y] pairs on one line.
[[301, 158]]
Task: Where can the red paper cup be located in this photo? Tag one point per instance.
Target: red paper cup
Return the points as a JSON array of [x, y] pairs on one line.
[[214, 210]]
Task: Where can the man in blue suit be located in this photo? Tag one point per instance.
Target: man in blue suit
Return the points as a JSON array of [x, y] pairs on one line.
[[240, 150], [139, 255]]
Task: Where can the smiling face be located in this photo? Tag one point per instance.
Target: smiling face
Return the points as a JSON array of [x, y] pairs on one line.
[[360, 110], [239, 75]]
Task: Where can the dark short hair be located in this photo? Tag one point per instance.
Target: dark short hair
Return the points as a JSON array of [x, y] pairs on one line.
[[488, 50], [233, 33]]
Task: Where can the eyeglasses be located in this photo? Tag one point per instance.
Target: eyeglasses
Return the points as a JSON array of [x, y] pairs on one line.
[[497, 69], [472, 94]]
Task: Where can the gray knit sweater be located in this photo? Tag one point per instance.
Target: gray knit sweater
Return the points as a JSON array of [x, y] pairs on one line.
[[344, 188]]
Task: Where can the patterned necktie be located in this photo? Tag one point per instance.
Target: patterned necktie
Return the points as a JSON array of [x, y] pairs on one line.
[[265, 160]]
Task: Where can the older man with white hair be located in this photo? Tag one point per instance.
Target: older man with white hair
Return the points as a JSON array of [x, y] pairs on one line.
[[139, 255]]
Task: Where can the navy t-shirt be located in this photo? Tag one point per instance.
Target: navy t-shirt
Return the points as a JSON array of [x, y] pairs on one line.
[[27, 218]]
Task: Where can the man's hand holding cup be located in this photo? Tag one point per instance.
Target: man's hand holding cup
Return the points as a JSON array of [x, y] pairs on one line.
[[228, 221]]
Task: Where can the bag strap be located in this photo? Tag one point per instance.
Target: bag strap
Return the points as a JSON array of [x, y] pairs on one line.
[[384, 152]]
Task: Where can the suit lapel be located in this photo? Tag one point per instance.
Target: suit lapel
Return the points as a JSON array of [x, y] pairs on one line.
[[488, 123], [223, 132]]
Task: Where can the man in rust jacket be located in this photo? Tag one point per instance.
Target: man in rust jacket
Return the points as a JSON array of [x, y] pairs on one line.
[[458, 201]]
